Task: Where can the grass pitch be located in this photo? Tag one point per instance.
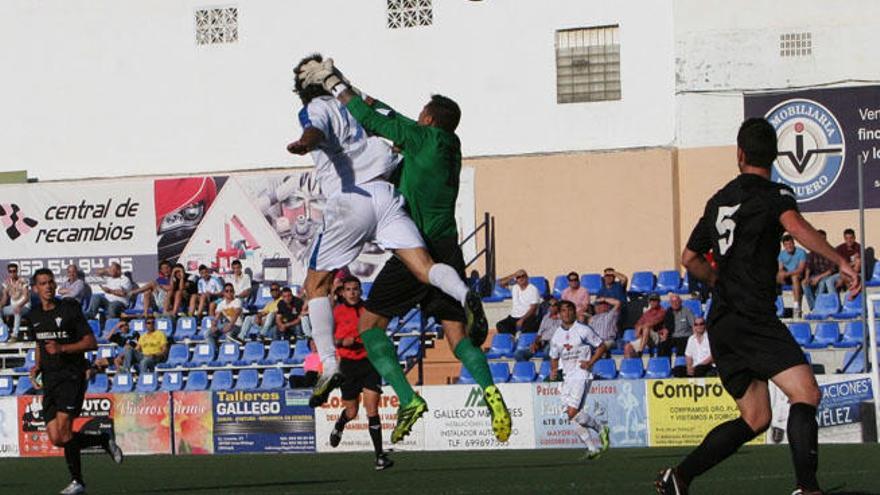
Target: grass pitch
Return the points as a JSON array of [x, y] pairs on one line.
[[844, 469]]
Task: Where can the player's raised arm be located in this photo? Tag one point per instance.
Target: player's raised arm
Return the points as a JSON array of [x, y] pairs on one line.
[[809, 237]]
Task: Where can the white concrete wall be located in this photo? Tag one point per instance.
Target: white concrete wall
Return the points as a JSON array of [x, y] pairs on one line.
[[118, 87]]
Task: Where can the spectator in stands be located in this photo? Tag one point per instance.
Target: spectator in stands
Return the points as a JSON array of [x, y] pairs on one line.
[[604, 321], [241, 282], [524, 306], [852, 251], [209, 289], [227, 318], [289, 318], [549, 324], [678, 326], [116, 289], [150, 350], [646, 328], [15, 299], [265, 316], [312, 367], [118, 334], [72, 287], [613, 285], [158, 289], [183, 287], [819, 270], [792, 265], [577, 294], [697, 354]]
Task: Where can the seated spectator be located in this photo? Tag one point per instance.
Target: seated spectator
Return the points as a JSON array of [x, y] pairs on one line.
[[241, 282], [265, 316], [157, 290], [604, 321], [227, 318], [208, 290], [313, 368], [678, 326], [72, 287], [524, 307], [150, 350], [549, 324], [114, 299], [183, 287], [852, 251], [119, 334], [289, 318], [646, 328], [613, 285], [697, 354], [792, 264], [819, 270], [15, 299], [577, 294]]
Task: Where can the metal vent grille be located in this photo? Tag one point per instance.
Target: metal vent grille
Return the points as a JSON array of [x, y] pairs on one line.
[[409, 13], [588, 64], [216, 26]]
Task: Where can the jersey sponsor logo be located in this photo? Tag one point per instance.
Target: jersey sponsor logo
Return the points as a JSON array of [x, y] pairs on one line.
[[811, 147], [60, 334]]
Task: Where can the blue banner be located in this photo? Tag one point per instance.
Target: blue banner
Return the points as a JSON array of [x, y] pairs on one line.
[[263, 421], [840, 402]]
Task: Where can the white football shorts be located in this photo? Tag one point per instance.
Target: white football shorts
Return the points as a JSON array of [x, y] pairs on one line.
[[574, 392]]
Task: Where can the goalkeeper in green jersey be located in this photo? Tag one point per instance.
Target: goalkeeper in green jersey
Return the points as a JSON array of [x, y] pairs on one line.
[[428, 180]]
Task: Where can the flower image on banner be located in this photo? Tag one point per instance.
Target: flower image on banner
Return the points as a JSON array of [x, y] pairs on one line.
[[143, 423], [193, 423]]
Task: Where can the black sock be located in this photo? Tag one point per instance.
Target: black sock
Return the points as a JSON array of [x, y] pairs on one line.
[[90, 439], [376, 433], [73, 459], [342, 421], [803, 439], [719, 444]]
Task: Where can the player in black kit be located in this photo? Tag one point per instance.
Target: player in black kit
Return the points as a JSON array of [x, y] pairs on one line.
[[63, 336], [742, 225]]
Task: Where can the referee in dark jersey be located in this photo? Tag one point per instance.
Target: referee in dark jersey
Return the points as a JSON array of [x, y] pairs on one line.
[[63, 336], [742, 225]]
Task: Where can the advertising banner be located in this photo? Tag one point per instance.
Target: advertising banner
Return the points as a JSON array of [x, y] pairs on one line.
[[356, 436], [618, 404], [458, 419], [263, 421], [822, 134], [8, 427], [838, 415], [96, 416], [193, 423], [681, 411], [89, 224], [143, 423]]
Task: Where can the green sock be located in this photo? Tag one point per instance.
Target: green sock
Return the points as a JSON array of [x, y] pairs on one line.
[[381, 353], [475, 362]]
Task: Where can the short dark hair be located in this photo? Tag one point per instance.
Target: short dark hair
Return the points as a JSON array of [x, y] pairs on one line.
[[236, 262], [163, 263], [757, 139], [41, 271], [566, 302], [573, 274], [12, 265], [312, 91], [228, 285], [787, 237], [202, 267], [351, 278], [445, 112], [286, 289], [849, 232]]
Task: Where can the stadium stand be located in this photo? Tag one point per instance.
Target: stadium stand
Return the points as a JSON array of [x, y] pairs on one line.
[[592, 282], [874, 281], [693, 305], [222, 380], [408, 347], [147, 382], [523, 372], [229, 354], [254, 352], [826, 306], [279, 351], [502, 346], [632, 368], [524, 342], [500, 372], [23, 386], [164, 324], [827, 333], [853, 335], [668, 282], [540, 283], [7, 386], [544, 371], [273, 378], [248, 379], [560, 283], [178, 355], [299, 352], [99, 384], [197, 380], [122, 382], [801, 332], [852, 308], [658, 367], [203, 356], [172, 381], [605, 369], [464, 377], [642, 283]]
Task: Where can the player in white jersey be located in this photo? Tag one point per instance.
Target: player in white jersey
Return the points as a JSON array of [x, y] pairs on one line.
[[361, 206], [577, 347]]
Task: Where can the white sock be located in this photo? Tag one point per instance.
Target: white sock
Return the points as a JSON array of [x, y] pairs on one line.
[[445, 278], [587, 421], [585, 436], [321, 318]]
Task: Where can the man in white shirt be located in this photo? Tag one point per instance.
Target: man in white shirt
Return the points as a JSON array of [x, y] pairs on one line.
[[14, 298], [209, 289], [241, 282], [577, 347], [226, 318], [525, 300], [697, 354], [114, 299]]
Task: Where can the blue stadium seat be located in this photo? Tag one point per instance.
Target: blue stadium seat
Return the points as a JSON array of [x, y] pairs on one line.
[[263, 296], [541, 284], [853, 362], [178, 355], [685, 287], [680, 360], [668, 281], [874, 281], [172, 381], [164, 324], [366, 287], [99, 384], [28, 362], [138, 307], [707, 307], [107, 352], [658, 367], [4, 332], [525, 341], [229, 353], [207, 323], [826, 306], [273, 378], [523, 372], [464, 377], [300, 351], [827, 333], [560, 283], [592, 282], [254, 352], [95, 325], [198, 380], [222, 380], [605, 369], [502, 346], [147, 382], [122, 383], [853, 334], [109, 323], [629, 335], [500, 372], [631, 368], [694, 306], [24, 385], [852, 308], [801, 332], [186, 328], [780, 307], [248, 379], [642, 283], [279, 351], [203, 356], [297, 372], [544, 371], [408, 347], [7, 385], [138, 325]]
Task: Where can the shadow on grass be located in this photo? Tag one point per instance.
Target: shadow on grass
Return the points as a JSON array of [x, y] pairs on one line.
[[241, 486]]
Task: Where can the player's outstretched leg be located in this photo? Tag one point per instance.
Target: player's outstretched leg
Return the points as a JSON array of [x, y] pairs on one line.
[[338, 428], [317, 286], [587, 424], [475, 362]]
